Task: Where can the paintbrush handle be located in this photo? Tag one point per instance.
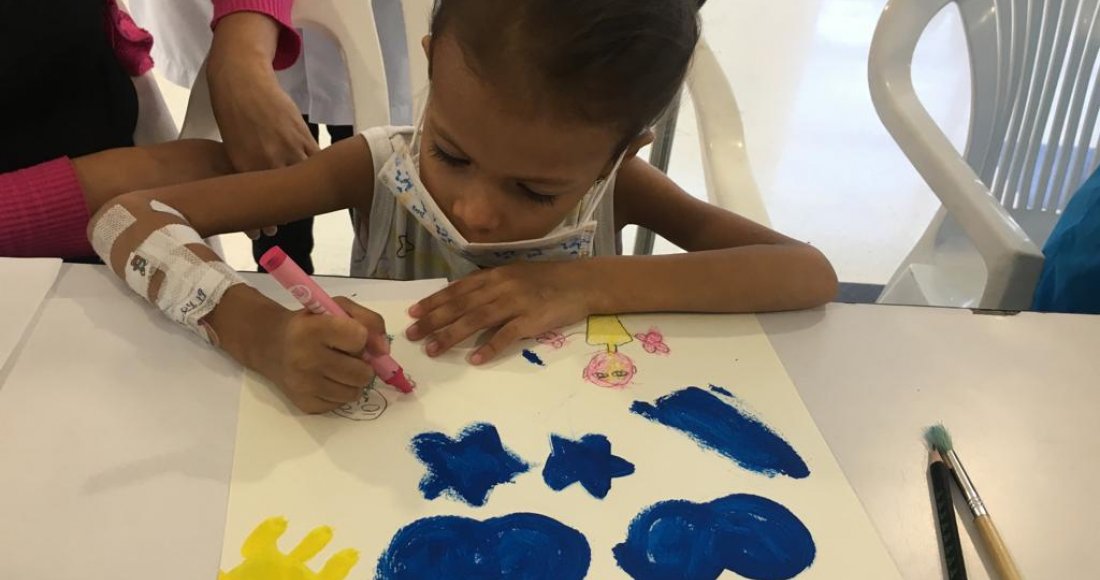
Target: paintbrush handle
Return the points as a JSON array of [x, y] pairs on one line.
[[945, 517], [1002, 560]]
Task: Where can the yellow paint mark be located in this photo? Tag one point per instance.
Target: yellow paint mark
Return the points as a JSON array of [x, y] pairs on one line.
[[264, 561]]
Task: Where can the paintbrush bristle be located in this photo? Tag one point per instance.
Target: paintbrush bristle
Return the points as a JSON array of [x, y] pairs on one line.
[[938, 438]]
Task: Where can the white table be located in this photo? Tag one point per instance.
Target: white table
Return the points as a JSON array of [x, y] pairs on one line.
[[130, 479]]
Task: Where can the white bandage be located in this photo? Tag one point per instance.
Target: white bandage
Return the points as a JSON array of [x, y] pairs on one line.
[[165, 208], [107, 230], [156, 253], [190, 288]]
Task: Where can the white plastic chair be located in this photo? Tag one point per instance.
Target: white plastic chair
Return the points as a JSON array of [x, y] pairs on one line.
[[1033, 131], [726, 169], [154, 123]]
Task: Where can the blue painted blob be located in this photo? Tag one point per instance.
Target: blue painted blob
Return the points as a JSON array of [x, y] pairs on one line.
[[746, 534], [523, 546], [466, 468], [721, 391], [716, 425], [533, 358], [588, 461]]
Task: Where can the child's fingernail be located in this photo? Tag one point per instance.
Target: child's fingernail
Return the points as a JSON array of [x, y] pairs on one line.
[[412, 332], [415, 309], [477, 358], [433, 348]]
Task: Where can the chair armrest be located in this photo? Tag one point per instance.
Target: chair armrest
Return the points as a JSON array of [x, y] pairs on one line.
[[1013, 262], [352, 23], [199, 121], [154, 122], [726, 167]]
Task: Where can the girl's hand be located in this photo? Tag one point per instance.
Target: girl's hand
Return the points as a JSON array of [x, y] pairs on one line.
[[317, 359], [518, 300]]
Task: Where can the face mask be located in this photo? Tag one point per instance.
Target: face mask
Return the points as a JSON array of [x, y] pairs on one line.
[[573, 238]]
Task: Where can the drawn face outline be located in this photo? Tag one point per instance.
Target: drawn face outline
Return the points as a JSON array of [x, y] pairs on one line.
[[368, 408], [610, 369]]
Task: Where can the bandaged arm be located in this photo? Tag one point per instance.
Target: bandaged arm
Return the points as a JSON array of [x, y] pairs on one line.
[[170, 266], [160, 230]]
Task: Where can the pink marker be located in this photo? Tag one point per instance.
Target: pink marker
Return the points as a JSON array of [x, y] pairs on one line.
[[302, 287]]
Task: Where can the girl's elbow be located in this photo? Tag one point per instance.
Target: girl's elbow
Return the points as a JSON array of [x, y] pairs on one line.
[[823, 284]]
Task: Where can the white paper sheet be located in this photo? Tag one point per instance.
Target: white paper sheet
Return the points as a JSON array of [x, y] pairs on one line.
[[362, 479], [24, 282], [116, 436]]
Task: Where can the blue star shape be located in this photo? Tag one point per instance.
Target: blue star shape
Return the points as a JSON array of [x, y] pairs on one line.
[[588, 461], [466, 468]]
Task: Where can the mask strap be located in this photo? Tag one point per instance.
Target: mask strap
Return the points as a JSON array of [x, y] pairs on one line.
[[418, 130], [601, 189]]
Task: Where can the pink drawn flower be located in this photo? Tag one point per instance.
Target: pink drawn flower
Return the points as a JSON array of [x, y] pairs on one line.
[[553, 338], [653, 342]]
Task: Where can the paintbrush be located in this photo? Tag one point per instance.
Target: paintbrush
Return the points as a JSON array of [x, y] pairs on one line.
[[940, 440], [940, 476]]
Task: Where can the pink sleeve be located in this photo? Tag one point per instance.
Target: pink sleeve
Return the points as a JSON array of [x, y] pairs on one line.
[[290, 42], [132, 43], [43, 212]]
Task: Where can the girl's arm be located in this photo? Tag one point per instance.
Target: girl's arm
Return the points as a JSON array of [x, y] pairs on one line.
[[44, 209], [314, 359], [732, 264], [337, 178]]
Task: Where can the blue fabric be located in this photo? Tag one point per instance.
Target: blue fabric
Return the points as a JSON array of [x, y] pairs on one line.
[[1070, 281]]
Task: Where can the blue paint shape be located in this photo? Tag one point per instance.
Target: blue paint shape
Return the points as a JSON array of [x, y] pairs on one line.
[[749, 535], [524, 545], [721, 391], [533, 358], [466, 468], [588, 461], [724, 428]]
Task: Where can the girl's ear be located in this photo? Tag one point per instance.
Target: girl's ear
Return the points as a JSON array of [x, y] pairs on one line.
[[426, 42], [644, 138]]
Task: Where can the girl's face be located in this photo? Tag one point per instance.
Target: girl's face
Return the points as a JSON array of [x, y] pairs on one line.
[[498, 167]]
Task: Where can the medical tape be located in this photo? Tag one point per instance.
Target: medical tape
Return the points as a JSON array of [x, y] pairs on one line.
[[191, 287], [197, 297], [108, 228], [155, 254], [165, 208]]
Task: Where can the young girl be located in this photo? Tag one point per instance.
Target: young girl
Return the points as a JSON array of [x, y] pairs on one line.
[[515, 183]]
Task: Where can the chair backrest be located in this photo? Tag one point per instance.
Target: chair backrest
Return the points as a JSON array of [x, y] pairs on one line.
[[352, 24], [1033, 131], [154, 123]]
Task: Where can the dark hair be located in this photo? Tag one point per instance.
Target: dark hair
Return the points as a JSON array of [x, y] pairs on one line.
[[608, 61]]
